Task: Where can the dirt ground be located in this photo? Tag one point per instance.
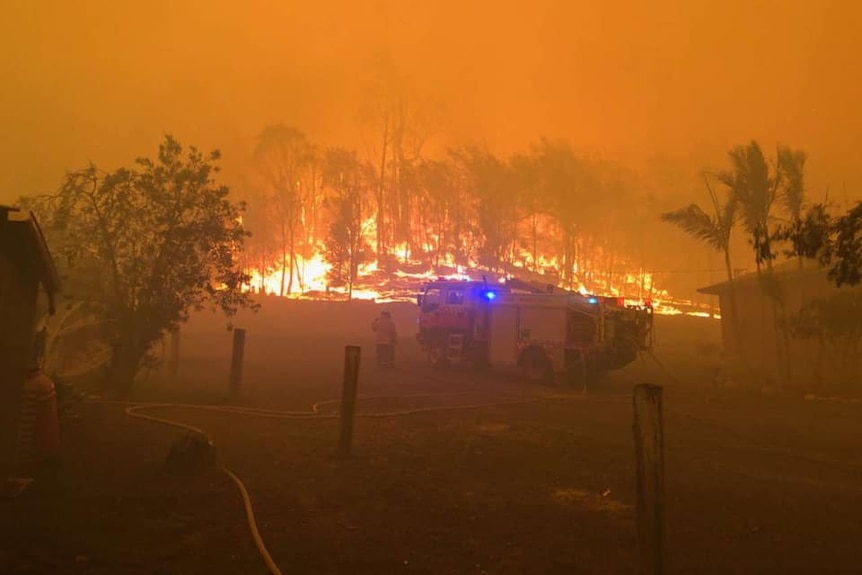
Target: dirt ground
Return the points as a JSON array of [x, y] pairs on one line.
[[755, 482]]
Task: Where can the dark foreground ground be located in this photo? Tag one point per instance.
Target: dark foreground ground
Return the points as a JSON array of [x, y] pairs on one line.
[[756, 483]]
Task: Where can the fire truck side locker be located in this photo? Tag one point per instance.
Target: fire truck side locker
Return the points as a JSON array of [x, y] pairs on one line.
[[544, 326], [503, 330]]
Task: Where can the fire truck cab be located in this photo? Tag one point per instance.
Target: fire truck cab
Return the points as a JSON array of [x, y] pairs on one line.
[[546, 334]]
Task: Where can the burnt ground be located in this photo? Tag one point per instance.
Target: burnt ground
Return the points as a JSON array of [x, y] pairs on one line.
[[756, 482]]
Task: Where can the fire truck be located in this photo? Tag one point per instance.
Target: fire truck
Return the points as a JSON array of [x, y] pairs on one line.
[[546, 333]]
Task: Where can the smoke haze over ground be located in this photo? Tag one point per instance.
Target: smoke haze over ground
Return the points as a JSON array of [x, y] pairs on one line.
[[677, 81]]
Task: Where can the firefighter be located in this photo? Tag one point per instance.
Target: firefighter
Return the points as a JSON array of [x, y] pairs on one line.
[[387, 337]]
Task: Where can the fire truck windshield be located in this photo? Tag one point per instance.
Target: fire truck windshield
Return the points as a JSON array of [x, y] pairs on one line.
[[431, 299]]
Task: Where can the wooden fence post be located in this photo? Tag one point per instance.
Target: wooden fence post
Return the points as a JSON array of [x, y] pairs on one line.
[[236, 361], [649, 458], [352, 355]]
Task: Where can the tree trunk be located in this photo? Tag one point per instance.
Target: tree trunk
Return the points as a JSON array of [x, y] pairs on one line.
[[299, 275], [731, 294], [568, 256], [381, 188], [292, 245], [126, 359], [535, 232], [283, 256], [312, 208]]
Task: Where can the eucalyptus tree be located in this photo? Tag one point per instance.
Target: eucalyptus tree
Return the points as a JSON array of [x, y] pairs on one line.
[[282, 155]]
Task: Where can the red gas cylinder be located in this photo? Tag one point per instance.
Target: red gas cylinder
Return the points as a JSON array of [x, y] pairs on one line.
[[39, 431]]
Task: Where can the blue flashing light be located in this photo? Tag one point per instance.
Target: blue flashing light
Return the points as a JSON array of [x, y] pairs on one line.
[[593, 300], [489, 295]]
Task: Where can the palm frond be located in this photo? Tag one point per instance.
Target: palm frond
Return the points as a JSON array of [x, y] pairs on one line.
[[694, 221], [751, 184], [791, 166], [727, 214]]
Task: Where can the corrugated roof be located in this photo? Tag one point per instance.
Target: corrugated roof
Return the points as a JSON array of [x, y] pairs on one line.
[[22, 242], [785, 270]]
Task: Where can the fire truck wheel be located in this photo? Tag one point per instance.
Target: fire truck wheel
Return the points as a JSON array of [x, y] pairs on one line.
[[536, 366], [437, 355]]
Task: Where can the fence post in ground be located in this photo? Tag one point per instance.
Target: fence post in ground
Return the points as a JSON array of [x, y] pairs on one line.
[[649, 459], [236, 362], [174, 360], [348, 398]]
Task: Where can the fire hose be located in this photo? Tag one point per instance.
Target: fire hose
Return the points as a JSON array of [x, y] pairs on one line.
[[134, 410]]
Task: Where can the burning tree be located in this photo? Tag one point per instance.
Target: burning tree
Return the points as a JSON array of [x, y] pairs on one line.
[[566, 183], [396, 123], [495, 206], [346, 248], [544, 211], [263, 249], [143, 246], [283, 156]]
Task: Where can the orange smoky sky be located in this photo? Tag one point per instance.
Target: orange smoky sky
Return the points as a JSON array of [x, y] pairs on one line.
[[682, 80]]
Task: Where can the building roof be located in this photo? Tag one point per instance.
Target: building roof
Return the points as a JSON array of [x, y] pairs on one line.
[[789, 270], [22, 243]]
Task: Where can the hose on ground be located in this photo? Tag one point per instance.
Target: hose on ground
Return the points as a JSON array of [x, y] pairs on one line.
[[134, 410], [252, 525]]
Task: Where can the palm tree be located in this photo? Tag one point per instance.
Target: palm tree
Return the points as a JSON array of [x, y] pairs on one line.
[[756, 188], [755, 191], [713, 229], [791, 170], [790, 167]]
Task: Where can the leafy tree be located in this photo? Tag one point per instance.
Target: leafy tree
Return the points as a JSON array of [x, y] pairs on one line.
[[835, 242], [847, 248], [835, 322], [808, 234], [143, 246]]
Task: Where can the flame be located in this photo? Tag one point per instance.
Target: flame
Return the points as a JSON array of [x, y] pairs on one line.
[[527, 258], [310, 276], [310, 282]]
